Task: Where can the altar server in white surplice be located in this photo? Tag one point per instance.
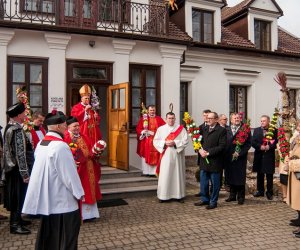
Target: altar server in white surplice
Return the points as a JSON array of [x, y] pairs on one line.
[[55, 189], [170, 140]]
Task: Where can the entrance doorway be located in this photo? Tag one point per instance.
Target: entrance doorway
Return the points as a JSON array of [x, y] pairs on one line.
[[98, 75]]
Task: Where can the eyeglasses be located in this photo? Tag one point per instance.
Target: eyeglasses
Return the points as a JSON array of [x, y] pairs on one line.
[[211, 118]]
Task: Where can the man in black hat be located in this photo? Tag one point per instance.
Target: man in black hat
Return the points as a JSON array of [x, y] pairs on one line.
[[55, 189], [18, 155]]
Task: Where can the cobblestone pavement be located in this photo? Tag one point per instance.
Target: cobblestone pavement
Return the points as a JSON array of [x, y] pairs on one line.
[[146, 224]]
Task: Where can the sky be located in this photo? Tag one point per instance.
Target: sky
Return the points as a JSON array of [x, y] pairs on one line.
[[291, 11]]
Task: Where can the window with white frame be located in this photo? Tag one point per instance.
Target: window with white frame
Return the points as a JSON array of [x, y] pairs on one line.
[[262, 34], [203, 25]]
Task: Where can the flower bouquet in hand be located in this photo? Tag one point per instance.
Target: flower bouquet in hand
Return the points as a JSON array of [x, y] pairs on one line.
[[240, 139], [269, 137], [98, 148], [193, 132], [76, 152], [284, 145]]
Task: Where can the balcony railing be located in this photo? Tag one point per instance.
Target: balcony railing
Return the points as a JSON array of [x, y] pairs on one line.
[[146, 18]]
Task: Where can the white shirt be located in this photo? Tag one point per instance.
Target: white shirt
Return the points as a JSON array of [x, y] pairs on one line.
[[54, 185]]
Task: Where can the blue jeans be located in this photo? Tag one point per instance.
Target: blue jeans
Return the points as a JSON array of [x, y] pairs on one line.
[[205, 195]]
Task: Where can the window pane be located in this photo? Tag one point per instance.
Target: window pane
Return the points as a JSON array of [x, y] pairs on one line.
[[36, 95], [18, 72], [35, 73], [122, 98], [150, 78], [136, 97], [114, 99], [31, 5], [232, 100], [89, 73], [150, 97], [69, 8], [208, 25], [136, 114], [241, 96], [136, 78], [196, 25], [48, 6], [87, 9]]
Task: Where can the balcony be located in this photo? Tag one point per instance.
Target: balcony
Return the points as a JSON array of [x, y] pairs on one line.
[[148, 17]]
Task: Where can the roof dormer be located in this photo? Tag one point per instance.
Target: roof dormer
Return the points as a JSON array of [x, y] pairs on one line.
[[255, 20], [201, 20]]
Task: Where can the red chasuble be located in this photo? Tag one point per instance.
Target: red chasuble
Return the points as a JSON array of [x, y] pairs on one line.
[[35, 138], [89, 170], [90, 127], [145, 146], [170, 137]]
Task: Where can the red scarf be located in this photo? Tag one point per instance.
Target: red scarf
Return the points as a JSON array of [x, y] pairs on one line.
[[35, 138], [170, 137]]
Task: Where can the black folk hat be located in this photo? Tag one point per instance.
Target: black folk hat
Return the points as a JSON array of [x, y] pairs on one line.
[[55, 117], [71, 120], [15, 110]]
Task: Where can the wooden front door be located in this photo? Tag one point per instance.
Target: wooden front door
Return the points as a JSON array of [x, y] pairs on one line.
[[118, 152]]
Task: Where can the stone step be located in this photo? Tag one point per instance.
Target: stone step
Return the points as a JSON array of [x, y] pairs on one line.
[[128, 182], [129, 192], [113, 173]]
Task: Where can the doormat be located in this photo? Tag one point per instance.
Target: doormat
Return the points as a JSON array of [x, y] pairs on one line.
[[111, 203]]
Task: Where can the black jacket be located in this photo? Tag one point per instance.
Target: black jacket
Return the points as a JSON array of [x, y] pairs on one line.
[[264, 161], [236, 169], [214, 143]]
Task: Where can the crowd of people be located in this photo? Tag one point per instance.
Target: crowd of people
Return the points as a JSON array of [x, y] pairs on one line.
[[222, 159], [53, 172]]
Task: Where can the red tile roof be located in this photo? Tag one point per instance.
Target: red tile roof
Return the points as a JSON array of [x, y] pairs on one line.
[[175, 32], [232, 39], [230, 11], [287, 43]]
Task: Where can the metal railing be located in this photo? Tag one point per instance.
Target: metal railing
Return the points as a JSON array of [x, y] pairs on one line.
[[109, 15]]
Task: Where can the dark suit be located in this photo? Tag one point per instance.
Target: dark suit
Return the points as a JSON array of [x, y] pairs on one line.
[[214, 142], [236, 169], [264, 161]]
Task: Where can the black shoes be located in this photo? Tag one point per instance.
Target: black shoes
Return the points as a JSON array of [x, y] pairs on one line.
[[201, 203], [25, 222], [180, 200], [197, 195], [230, 198], [269, 196], [295, 223], [211, 206], [241, 201], [258, 194], [19, 230]]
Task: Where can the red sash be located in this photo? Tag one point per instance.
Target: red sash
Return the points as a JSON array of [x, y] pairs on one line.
[[35, 138], [170, 137], [51, 138]]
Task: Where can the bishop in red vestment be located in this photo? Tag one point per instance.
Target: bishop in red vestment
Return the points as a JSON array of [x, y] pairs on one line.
[[146, 129], [87, 117], [88, 169]]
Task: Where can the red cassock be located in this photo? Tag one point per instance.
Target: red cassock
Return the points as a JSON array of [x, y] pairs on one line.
[[145, 146], [90, 127], [89, 170]]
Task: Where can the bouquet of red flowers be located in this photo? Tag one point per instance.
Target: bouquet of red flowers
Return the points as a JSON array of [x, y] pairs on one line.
[[284, 145], [241, 137], [99, 147]]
